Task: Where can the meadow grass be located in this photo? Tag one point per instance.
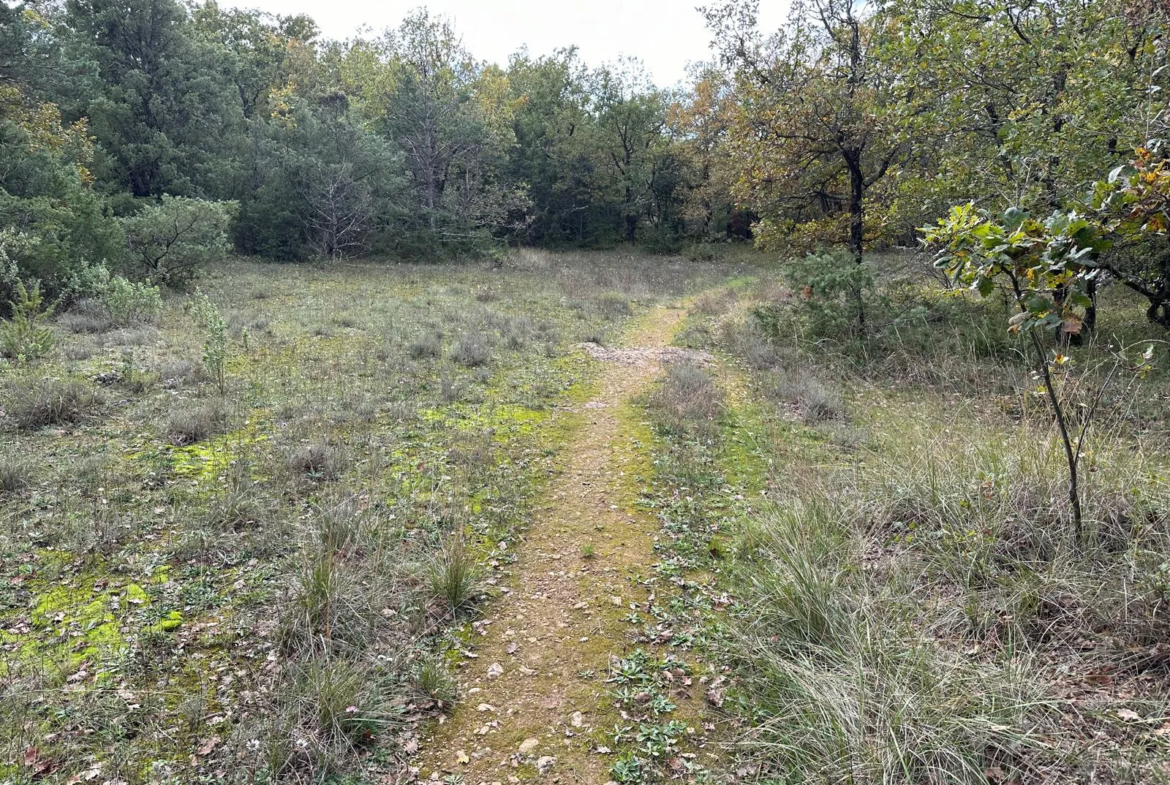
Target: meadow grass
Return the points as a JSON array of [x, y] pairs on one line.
[[889, 513], [259, 583]]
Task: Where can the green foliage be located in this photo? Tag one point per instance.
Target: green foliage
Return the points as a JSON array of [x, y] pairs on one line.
[[453, 575], [853, 123], [1046, 266], [627, 770], [51, 220], [1133, 204], [131, 302], [435, 683], [25, 337], [165, 108], [215, 340], [833, 291], [171, 241], [836, 103], [328, 189]]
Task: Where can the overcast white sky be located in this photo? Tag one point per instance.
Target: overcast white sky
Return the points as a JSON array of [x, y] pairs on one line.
[[665, 34]]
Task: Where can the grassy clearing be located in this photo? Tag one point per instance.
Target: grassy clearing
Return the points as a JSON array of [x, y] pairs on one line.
[[253, 583], [908, 600]]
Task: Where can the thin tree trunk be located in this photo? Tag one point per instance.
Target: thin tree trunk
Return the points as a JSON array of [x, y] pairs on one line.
[[857, 229], [1070, 454]]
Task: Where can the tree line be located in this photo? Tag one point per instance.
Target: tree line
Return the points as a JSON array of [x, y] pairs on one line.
[[123, 122]]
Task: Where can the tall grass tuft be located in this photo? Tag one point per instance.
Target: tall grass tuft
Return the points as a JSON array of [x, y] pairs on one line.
[[850, 689], [453, 575], [37, 403], [688, 402], [15, 474]]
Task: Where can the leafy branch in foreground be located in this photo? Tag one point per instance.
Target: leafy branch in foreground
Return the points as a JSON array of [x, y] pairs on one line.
[[1133, 205], [1049, 268]]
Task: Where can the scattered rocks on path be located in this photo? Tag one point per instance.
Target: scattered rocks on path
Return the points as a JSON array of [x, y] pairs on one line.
[[645, 356]]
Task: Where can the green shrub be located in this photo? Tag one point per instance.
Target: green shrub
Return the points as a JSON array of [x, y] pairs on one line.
[[453, 575], [25, 337], [172, 240], [87, 282], [833, 291], [59, 232], [130, 302], [433, 682], [215, 346]]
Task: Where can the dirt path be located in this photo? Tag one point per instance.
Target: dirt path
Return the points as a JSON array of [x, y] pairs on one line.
[[534, 695]]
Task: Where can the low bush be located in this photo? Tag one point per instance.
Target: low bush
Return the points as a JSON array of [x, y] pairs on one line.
[[171, 241], [25, 336], [434, 682], [130, 302], [452, 575], [833, 292]]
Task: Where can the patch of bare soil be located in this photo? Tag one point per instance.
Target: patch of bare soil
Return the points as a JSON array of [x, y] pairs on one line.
[[534, 699], [646, 355]]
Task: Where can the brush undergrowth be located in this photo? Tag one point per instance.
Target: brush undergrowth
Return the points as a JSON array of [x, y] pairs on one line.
[[911, 602]]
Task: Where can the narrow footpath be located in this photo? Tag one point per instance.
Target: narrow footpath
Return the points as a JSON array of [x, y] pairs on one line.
[[534, 701]]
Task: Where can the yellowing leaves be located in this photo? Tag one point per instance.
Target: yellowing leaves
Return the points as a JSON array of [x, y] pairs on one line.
[[44, 131]]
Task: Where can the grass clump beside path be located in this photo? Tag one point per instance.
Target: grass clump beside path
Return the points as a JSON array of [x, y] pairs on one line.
[[908, 601]]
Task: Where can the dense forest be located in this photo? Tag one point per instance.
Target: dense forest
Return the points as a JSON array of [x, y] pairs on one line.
[[133, 126]]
